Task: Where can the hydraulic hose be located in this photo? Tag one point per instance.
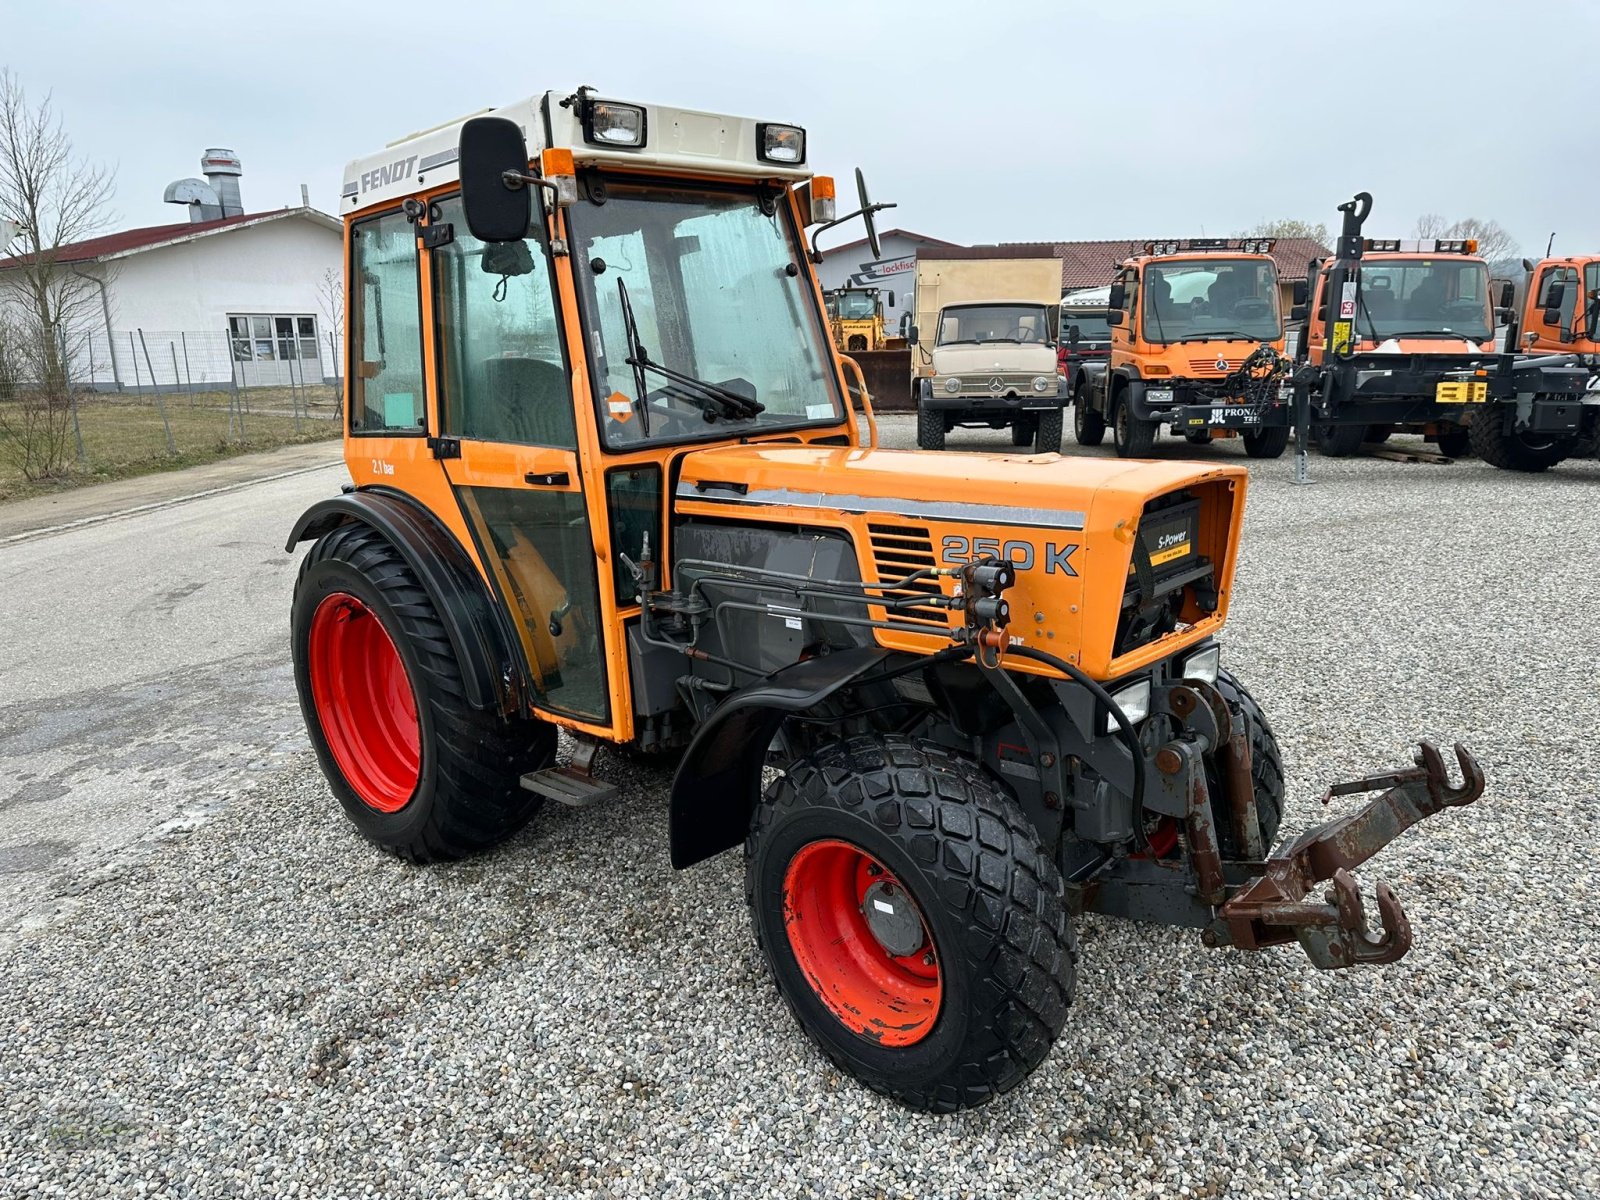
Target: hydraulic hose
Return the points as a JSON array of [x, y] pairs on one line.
[[1129, 737]]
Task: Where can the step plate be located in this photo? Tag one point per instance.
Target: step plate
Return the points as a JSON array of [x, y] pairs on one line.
[[569, 787]]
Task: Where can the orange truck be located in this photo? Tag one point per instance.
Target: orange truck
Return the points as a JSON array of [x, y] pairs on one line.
[[1407, 335], [1196, 344]]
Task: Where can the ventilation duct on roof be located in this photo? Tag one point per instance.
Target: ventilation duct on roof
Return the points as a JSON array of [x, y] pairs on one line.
[[217, 195]]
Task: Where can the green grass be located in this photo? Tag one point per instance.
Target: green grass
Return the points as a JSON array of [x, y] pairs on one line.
[[125, 436]]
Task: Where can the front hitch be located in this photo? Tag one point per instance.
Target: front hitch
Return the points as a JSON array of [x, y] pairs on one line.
[[1277, 906]]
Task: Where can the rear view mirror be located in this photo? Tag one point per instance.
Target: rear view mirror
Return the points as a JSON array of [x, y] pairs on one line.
[[1508, 294], [1299, 312], [891, 300], [1301, 292], [494, 156], [1116, 317], [911, 334], [1119, 295], [1554, 295]]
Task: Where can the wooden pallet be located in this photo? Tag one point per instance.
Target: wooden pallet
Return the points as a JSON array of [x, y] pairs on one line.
[[1377, 450]]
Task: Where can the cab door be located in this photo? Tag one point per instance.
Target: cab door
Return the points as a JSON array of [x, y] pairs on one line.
[[1547, 332], [509, 446]]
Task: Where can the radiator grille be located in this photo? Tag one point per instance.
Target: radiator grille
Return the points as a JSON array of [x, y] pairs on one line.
[[1208, 366], [897, 551]]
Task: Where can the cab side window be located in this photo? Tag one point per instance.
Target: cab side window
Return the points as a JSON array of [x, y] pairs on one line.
[[503, 374], [386, 394], [1568, 278], [1130, 283]]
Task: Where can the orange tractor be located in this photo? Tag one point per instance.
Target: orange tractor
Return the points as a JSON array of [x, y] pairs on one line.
[[608, 481]]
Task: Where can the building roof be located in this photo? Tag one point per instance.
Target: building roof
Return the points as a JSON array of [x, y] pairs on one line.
[[152, 237], [908, 234], [1092, 264]]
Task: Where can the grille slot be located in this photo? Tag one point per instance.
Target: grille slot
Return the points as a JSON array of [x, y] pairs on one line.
[[897, 551], [1208, 366]]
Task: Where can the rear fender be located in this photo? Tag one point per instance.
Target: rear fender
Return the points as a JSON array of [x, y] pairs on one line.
[[719, 779], [491, 673]]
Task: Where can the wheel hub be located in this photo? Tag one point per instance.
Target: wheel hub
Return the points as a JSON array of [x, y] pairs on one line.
[[892, 919]]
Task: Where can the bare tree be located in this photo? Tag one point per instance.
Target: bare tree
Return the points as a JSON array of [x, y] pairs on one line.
[[330, 296], [1288, 227], [1495, 242], [47, 309]]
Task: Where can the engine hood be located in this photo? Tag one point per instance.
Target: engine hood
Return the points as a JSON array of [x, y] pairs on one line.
[[1003, 357], [1068, 524]]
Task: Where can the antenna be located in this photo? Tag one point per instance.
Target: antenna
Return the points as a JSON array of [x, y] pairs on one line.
[[1550, 245]]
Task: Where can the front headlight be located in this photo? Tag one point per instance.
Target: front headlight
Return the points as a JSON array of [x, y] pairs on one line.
[[611, 124], [1042, 383], [1203, 664], [1158, 395], [1134, 701], [782, 144], [952, 385]]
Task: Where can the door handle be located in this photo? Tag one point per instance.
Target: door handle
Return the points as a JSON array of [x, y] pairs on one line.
[[548, 478]]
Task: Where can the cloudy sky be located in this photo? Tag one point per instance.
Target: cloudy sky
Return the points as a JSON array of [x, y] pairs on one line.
[[995, 121]]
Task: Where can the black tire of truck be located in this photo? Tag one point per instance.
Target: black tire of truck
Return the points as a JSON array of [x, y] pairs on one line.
[[1047, 432], [1133, 438], [1088, 426], [417, 770], [1266, 768], [1340, 441], [1513, 451], [1022, 429], [1197, 437], [930, 428], [1454, 441], [1268, 443], [986, 991]]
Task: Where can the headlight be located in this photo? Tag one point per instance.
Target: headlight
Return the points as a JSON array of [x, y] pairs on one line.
[[1042, 383], [611, 124], [781, 144], [952, 385], [1134, 701], [1203, 664], [1158, 395]]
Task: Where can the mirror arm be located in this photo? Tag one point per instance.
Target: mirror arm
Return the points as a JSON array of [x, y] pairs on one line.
[[816, 255], [517, 180]]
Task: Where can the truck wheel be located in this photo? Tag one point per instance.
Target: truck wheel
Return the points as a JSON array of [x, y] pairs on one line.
[[1340, 441], [418, 770], [1454, 441], [1134, 438], [1198, 437], [1088, 426], [1268, 443], [914, 923], [1377, 435], [1022, 429], [930, 428], [1266, 766], [1047, 438], [1513, 451]]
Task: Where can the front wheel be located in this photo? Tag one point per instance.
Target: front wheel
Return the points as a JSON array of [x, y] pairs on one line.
[[1047, 432], [1134, 438], [417, 769], [1088, 426], [930, 428], [1267, 443], [913, 921], [1340, 441], [1501, 446], [1454, 441]]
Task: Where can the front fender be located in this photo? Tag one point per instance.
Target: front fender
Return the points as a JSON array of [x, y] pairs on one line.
[[719, 779]]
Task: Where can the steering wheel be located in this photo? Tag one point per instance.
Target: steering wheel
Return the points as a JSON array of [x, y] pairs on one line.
[[1024, 335]]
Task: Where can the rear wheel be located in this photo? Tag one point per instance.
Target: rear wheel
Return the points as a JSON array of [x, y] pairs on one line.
[[1198, 437], [1267, 443], [1134, 438], [1502, 447], [1340, 441], [1088, 426], [913, 922], [1454, 441], [416, 768], [1047, 432], [930, 428]]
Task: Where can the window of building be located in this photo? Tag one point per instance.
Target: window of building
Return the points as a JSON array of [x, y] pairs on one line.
[[273, 338]]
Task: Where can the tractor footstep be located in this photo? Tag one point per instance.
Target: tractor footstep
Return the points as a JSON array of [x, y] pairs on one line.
[[567, 786]]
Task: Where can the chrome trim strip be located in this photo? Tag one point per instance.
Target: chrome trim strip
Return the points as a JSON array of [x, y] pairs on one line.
[[928, 510]]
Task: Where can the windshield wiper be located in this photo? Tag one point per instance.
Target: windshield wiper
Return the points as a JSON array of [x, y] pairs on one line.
[[710, 398], [1219, 335], [1449, 333]]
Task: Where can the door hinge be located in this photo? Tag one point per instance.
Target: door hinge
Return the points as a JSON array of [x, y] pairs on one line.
[[445, 447]]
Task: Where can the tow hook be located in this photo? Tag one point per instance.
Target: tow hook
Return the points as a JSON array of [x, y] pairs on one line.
[[1278, 906]]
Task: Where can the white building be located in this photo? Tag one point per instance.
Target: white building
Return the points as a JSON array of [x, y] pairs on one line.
[[852, 265], [225, 296]]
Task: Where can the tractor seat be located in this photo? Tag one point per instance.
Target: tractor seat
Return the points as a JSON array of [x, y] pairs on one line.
[[523, 400]]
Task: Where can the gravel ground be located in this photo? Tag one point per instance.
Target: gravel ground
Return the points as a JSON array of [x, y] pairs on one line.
[[261, 1004]]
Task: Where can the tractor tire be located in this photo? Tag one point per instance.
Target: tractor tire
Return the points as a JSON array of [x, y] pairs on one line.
[[957, 985], [1133, 438], [1512, 451], [1047, 433], [418, 771], [930, 428], [1269, 443], [1198, 437], [1022, 429], [1454, 441], [1088, 426], [1266, 767], [1340, 441]]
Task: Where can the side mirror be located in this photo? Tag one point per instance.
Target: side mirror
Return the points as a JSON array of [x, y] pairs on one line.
[[497, 203], [1554, 297], [1300, 311], [1301, 292], [891, 299], [1119, 295], [1116, 317], [911, 335], [1508, 295]]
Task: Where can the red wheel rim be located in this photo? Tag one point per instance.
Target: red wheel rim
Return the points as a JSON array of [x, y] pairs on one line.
[[364, 703], [890, 999]]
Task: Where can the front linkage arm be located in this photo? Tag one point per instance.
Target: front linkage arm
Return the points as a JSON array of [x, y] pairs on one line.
[[1277, 906]]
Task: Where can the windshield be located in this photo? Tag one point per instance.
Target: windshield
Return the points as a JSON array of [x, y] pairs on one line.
[[1422, 296], [1092, 327], [858, 306], [979, 323], [718, 291], [1211, 298]]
